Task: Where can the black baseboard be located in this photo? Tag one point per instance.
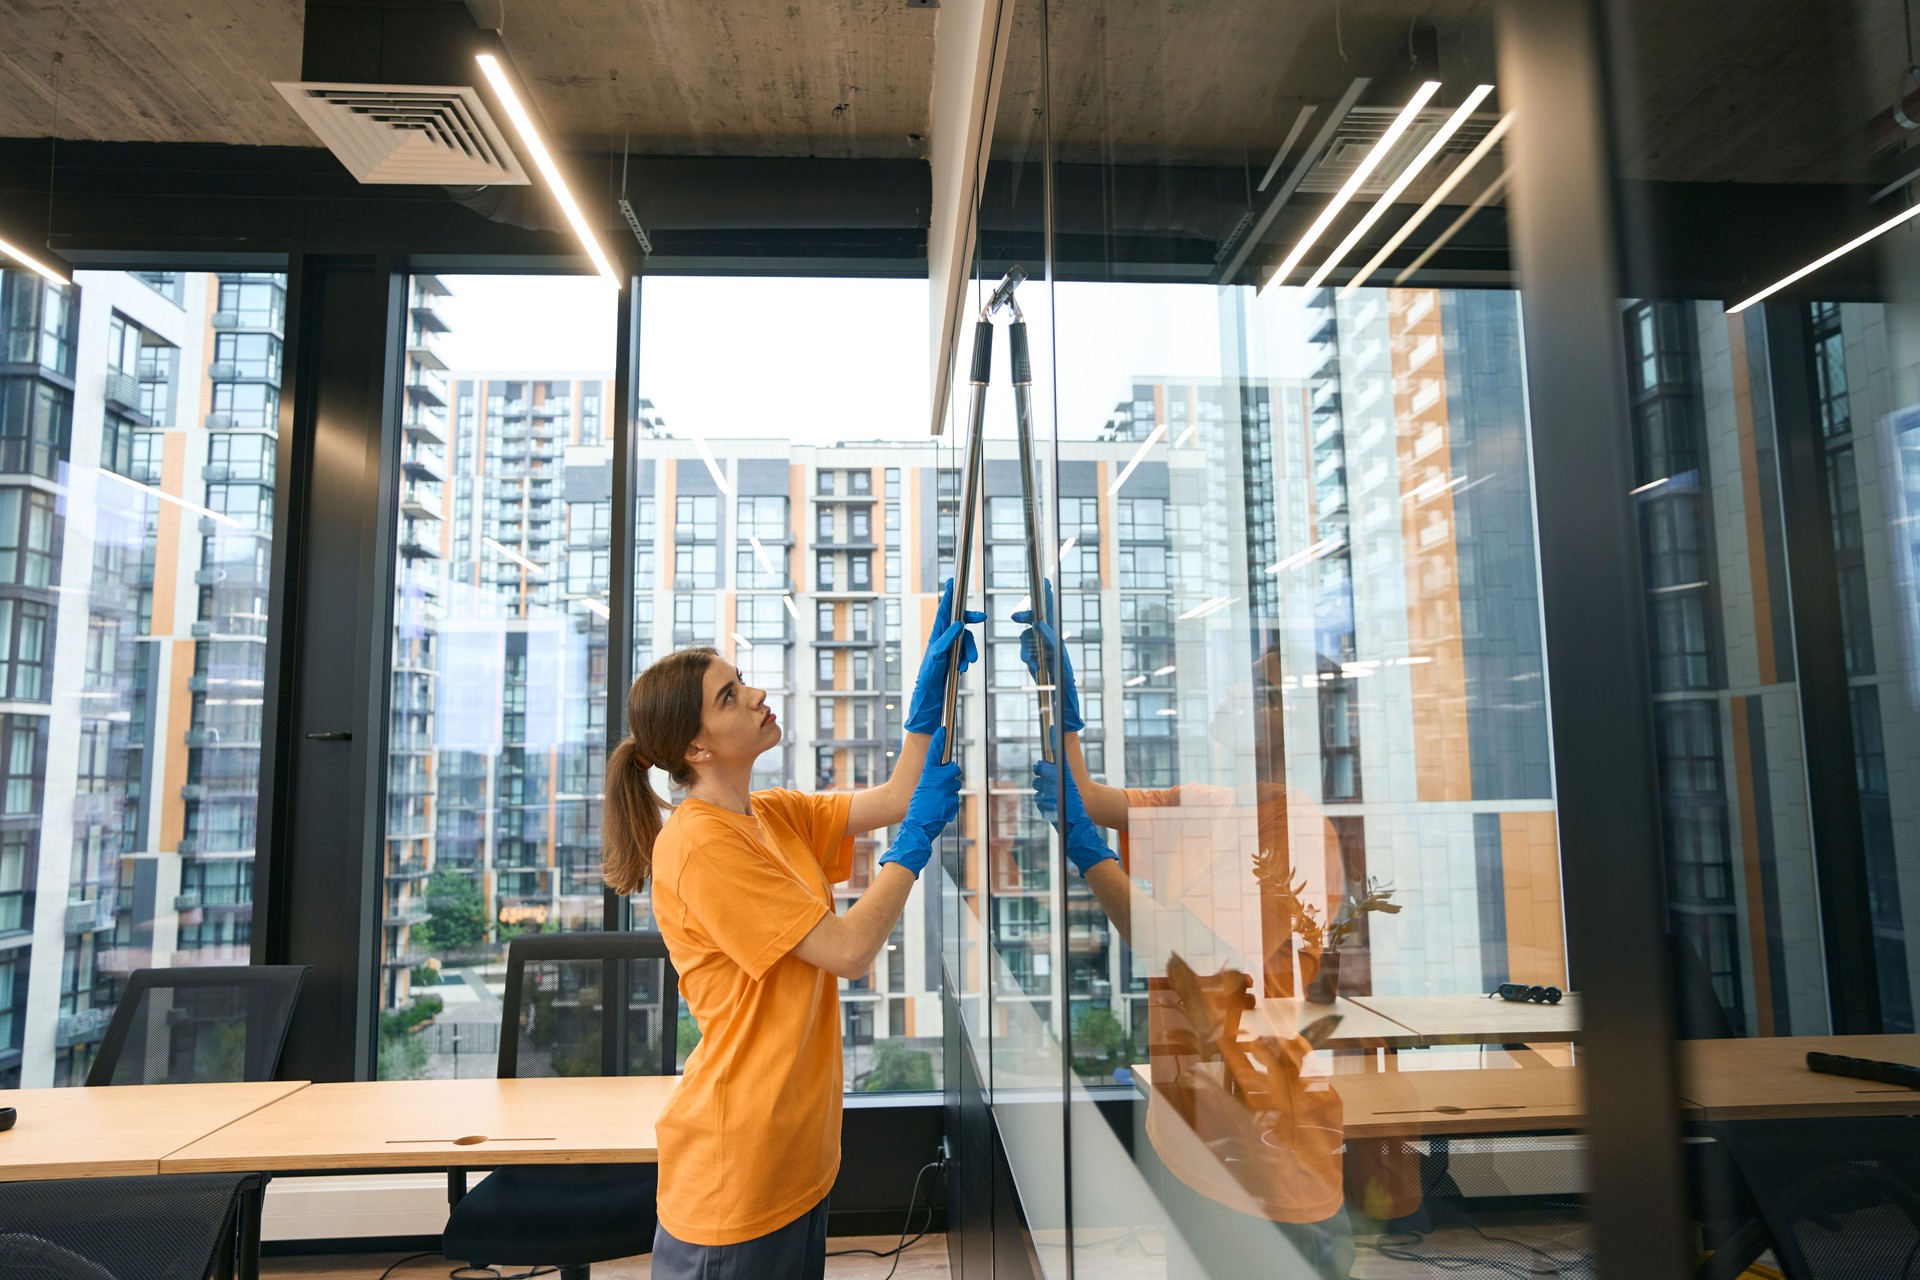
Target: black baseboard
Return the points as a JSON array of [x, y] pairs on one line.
[[351, 1244]]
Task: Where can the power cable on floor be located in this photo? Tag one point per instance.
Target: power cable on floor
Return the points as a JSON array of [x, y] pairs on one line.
[[905, 1243]]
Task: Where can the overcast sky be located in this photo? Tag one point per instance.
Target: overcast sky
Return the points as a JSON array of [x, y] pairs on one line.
[[816, 361]]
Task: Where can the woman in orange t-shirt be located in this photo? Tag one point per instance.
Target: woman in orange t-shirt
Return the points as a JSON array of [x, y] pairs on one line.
[[750, 1141]]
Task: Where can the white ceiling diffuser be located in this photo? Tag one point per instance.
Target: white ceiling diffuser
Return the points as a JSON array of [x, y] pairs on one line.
[[405, 133]]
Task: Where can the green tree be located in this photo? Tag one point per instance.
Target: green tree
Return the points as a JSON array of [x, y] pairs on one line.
[[1098, 1039], [456, 913], [896, 1068]]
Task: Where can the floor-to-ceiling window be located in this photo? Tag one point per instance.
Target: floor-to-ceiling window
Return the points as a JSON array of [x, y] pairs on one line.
[[139, 431]]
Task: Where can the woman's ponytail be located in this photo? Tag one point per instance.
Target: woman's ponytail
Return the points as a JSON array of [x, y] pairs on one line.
[[631, 820], [663, 719]]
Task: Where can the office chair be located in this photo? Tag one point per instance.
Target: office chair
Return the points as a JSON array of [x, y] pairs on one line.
[[223, 1023], [219, 1024], [577, 1004]]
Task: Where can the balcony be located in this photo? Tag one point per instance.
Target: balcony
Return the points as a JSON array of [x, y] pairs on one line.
[[426, 386], [123, 391], [418, 502], [425, 464], [414, 548], [408, 912], [426, 425], [84, 1027], [87, 917]]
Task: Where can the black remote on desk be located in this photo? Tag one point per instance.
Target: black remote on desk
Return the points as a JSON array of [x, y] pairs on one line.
[[1895, 1073], [7, 1117]]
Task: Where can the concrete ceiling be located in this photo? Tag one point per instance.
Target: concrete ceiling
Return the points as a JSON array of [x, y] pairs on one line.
[[1726, 90]]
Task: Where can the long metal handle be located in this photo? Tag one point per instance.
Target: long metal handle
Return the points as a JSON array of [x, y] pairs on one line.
[[969, 503], [1030, 511]]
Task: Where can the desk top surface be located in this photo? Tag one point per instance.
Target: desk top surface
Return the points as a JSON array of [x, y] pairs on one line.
[[1417, 1103], [438, 1124], [1360, 1027], [1471, 1019], [1766, 1078], [118, 1131]]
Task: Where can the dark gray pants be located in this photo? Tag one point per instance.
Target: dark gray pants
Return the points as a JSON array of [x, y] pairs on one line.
[[797, 1251]]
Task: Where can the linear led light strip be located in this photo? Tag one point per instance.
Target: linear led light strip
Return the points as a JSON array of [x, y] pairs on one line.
[[1425, 211], [523, 124], [1441, 241], [1401, 183], [1360, 174], [28, 260], [1845, 249]]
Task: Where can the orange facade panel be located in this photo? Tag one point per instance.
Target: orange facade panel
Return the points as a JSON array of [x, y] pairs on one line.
[[1530, 871], [1442, 743]]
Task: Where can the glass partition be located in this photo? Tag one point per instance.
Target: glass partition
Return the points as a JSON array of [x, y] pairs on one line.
[[139, 426], [1291, 520]]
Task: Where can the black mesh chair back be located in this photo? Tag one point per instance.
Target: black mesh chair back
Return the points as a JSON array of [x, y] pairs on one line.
[[175, 1226], [1840, 1199], [589, 1004], [217, 1024], [577, 1004]]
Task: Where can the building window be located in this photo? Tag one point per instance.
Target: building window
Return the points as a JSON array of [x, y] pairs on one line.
[[823, 482], [862, 481], [21, 743], [24, 649], [36, 421], [247, 355], [823, 668], [697, 518], [862, 615], [860, 523], [861, 569], [37, 323], [764, 517], [823, 524], [245, 404], [893, 482], [823, 620], [893, 518], [1830, 370], [26, 537], [823, 572], [696, 566]]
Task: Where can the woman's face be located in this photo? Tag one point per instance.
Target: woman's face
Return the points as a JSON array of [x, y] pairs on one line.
[[736, 724]]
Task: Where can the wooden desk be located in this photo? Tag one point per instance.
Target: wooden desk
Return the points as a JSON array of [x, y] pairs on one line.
[[440, 1124], [1360, 1027], [1470, 1019], [1767, 1078], [119, 1131], [1413, 1104]]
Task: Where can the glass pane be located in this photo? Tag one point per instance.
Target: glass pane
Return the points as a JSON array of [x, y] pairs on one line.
[[1299, 595], [1778, 452], [497, 740], [772, 548], [136, 526]]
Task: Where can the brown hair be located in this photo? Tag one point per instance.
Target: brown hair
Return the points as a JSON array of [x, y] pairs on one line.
[[663, 719]]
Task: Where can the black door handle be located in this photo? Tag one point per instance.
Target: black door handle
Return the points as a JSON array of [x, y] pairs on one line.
[[337, 735]]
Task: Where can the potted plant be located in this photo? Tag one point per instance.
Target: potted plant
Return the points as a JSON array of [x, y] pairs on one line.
[[1377, 895]]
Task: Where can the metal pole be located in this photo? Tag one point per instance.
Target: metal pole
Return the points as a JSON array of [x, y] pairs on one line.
[[1030, 510], [970, 500]]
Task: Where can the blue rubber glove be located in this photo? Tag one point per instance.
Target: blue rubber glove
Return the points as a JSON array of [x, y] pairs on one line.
[[930, 686], [935, 803], [1066, 703], [1085, 846]]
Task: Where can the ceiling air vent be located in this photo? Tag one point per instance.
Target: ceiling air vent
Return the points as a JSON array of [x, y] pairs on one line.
[[434, 134], [1362, 129]]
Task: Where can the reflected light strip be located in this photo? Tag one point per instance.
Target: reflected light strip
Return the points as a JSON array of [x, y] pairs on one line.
[[792, 608], [713, 464], [1650, 485], [1064, 548], [164, 496], [1845, 249], [1326, 546], [766, 561], [1166, 670], [1420, 215], [33, 263], [741, 640], [516, 557], [1494, 188], [1353, 182], [1137, 680], [1187, 435], [594, 606], [1401, 183], [523, 124], [1139, 455], [1206, 607]]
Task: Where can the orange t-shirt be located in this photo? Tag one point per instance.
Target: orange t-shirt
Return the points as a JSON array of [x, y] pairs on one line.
[[750, 1139]]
